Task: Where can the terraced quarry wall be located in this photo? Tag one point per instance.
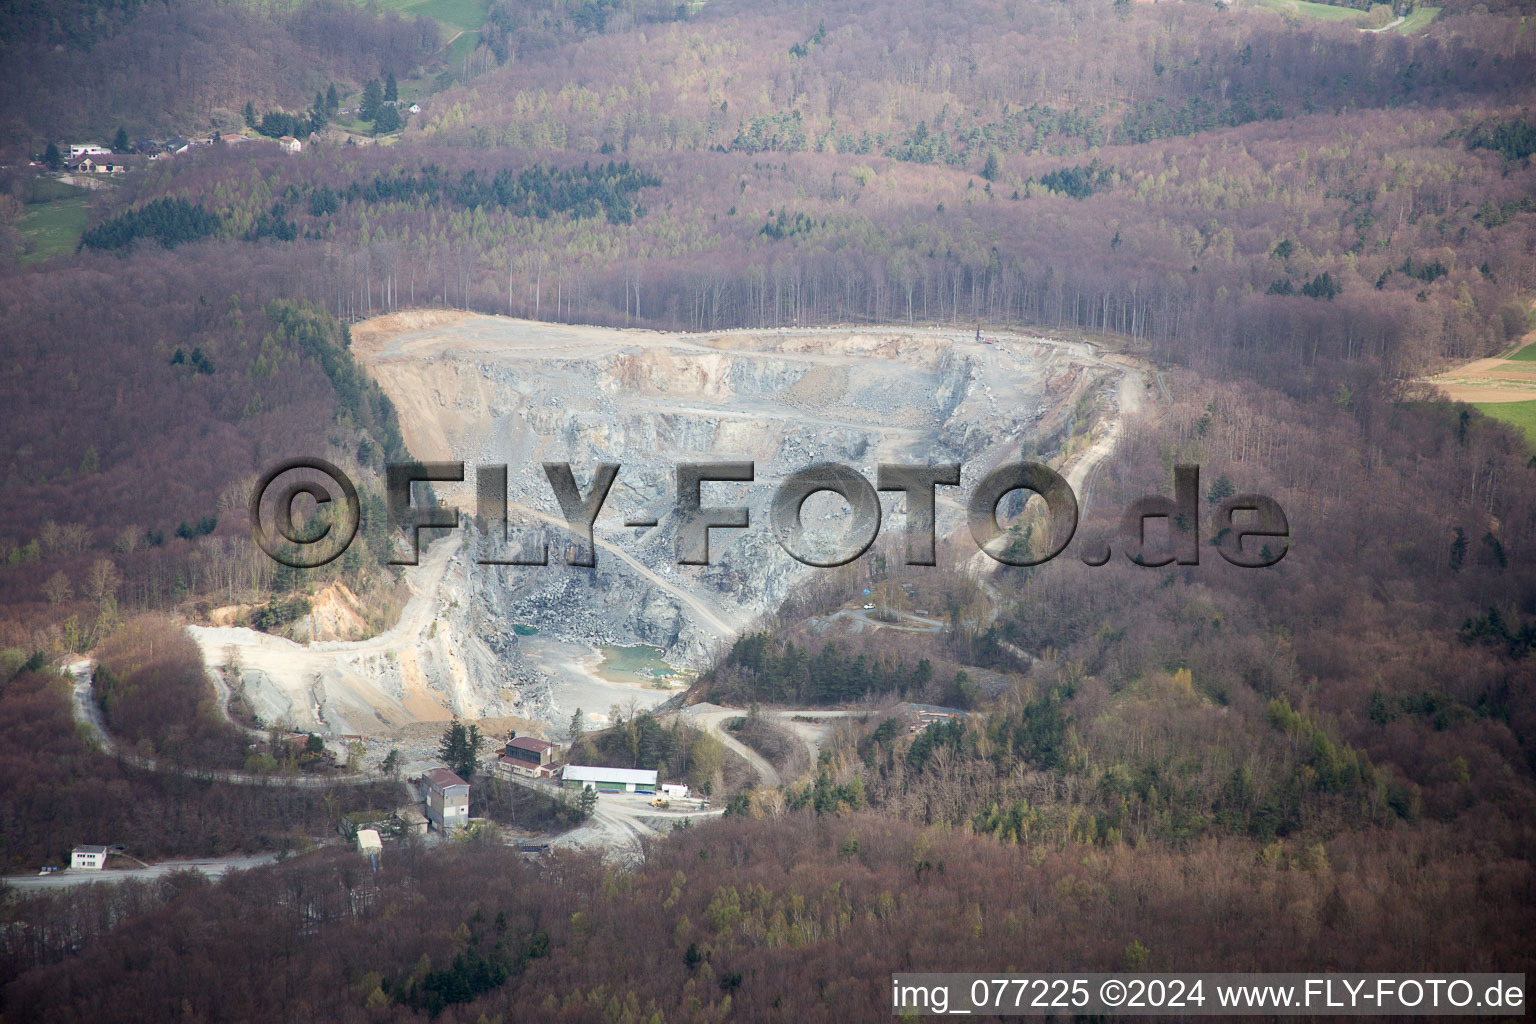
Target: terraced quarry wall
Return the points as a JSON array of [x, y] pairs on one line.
[[492, 390]]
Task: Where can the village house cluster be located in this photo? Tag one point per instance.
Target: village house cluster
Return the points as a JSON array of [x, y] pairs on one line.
[[92, 158]]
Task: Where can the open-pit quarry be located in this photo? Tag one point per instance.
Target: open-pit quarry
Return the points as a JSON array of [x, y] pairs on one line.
[[537, 642]]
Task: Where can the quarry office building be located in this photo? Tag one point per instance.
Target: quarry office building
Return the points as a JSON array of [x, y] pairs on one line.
[[609, 780], [525, 755]]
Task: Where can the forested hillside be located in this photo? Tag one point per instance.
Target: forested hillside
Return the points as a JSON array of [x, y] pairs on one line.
[[148, 395], [155, 66], [56, 791], [799, 918], [1377, 677], [1232, 188]]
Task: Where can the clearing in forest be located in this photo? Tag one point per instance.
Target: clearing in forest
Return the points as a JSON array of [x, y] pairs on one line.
[[1503, 387]]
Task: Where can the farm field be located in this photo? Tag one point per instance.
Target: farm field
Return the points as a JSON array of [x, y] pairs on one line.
[[1503, 387], [1325, 12], [460, 19], [1525, 354], [1420, 17], [1495, 380], [1416, 20], [54, 226], [1519, 414]]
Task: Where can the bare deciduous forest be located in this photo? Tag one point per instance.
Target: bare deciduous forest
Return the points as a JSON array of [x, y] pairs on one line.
[[802, 918]]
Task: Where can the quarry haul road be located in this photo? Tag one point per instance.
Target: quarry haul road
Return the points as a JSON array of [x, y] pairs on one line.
[[865, 619], [621, 821], [297, 669], [713, 717], [1080, 472], [88, 716], [618, 824], [257, 649], [706, 614]]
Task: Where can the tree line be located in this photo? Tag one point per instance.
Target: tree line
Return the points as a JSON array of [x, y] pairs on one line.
[[794, 914]]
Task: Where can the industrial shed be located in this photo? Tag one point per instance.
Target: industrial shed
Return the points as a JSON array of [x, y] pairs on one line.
[[609, 780]]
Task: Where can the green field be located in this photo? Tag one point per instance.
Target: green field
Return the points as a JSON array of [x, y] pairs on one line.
[[1518, 414], [55, 224], [1301, 8], [463, 44], [459, 18], [453, 15], [459, 22], [1525, 355], [1420, 17]]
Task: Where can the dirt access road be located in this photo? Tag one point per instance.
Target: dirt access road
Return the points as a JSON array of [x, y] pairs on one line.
[[88, 717], [1494, 379], [212, 867], [619, 822], [622, 820]]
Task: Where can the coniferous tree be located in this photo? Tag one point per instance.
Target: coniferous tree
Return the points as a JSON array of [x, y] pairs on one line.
[[388, 119], [460, 748], [993, 169], [373, 100]]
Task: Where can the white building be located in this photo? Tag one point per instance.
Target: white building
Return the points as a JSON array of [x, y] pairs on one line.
[[88, 858], [290, 144], [447, 799], [674, 791], [609, 780], [77, 150], [368, 841]]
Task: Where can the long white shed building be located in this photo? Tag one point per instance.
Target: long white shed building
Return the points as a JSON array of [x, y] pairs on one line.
[[609, 780]]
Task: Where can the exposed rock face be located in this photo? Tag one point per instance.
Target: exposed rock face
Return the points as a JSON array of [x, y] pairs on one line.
[[492, 391], [335, 614], [444, 656]]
